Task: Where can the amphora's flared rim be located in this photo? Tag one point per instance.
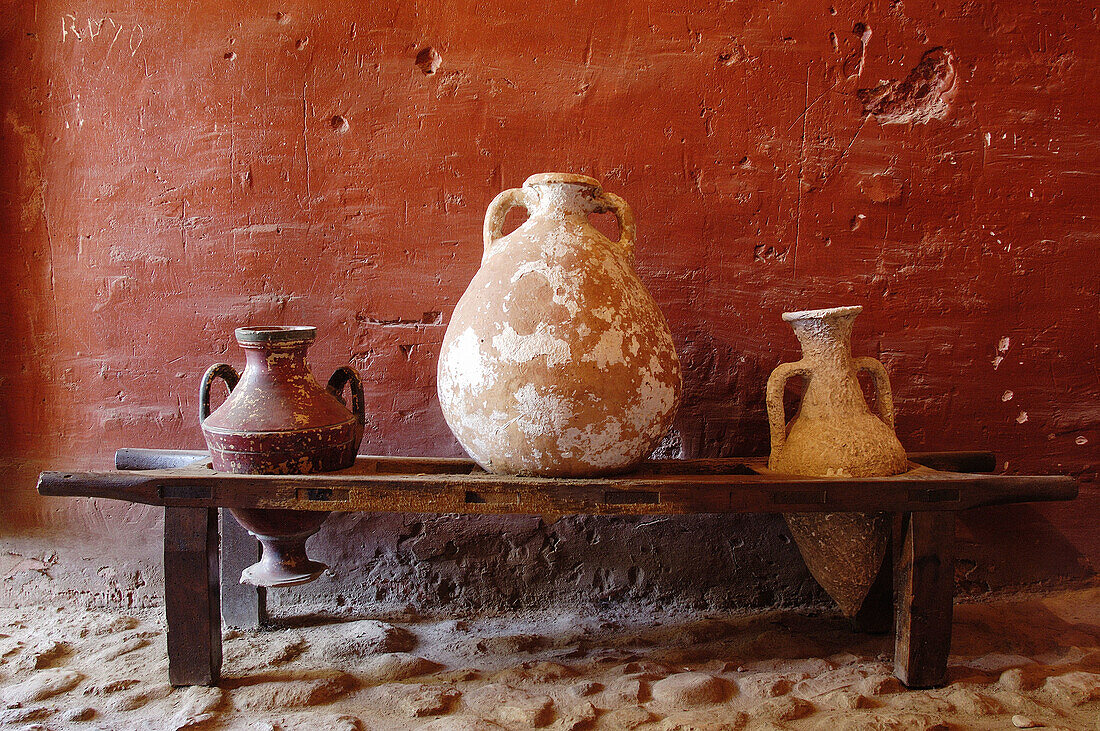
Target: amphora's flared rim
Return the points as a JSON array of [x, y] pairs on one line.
[[823, 314], [561, 179], [275, 334]]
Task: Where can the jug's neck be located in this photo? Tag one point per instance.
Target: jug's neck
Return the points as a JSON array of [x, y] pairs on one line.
[[833, 385], [289, 359], [826, 340], [562, 201]]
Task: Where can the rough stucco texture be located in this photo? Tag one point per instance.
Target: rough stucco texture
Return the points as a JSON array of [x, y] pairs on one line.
[[171, 170]]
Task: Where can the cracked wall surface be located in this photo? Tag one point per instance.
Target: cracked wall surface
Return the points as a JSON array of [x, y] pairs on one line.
[[173, 170]]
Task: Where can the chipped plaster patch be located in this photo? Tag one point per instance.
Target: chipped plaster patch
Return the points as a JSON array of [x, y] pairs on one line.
[[486, 431], [655, 397], [565, 290], [608, 351], [602, 446], [925, 94], [607, 314], [467, 366], [517, 348], [542, 413]]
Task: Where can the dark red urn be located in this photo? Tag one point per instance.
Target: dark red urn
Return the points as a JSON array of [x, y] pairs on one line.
[[278, 420]]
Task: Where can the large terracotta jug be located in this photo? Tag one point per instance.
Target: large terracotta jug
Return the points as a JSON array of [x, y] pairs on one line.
[[279, 420], [835, 435], [557, 361]]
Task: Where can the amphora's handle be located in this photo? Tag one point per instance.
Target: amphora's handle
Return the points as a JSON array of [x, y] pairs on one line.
[[342, 377], [494, 215], [218, 370], [884, 397], [625, 216], [777, 417]]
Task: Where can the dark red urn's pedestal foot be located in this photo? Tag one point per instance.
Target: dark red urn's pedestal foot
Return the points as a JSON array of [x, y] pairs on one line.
[[284, 563]]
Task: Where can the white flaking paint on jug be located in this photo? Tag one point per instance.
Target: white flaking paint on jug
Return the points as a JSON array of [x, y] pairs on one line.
[[518, 348]]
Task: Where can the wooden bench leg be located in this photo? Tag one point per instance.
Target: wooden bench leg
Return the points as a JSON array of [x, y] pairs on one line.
[[924, 583], [243, 606], [191, 599]]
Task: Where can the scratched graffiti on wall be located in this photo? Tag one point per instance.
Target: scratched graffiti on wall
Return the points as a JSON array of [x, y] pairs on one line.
[[102, 30]]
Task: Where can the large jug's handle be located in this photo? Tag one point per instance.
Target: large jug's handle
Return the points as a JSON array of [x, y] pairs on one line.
[[223, 371], [777, 417], [342, 377], [494, 215], [884, 397], [625, 216]]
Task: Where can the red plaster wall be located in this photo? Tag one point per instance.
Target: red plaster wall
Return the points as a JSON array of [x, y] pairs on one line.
[[172, 170]]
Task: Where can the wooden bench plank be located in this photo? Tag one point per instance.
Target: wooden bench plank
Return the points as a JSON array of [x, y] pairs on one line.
[[129, 458], [919, 490]]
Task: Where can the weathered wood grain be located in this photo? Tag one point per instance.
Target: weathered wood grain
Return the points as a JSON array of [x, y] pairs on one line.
[[923, 592], [130, 458], [387, 484], [191, 596]]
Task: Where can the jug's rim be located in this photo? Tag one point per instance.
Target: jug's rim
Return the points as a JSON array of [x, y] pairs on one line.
[[828, 312], [275, 333], [561, 179]]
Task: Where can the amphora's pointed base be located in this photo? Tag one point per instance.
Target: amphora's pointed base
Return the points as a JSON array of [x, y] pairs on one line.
[[844, 552]]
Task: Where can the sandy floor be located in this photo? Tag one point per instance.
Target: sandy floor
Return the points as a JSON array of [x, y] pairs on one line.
[[1023, 659]]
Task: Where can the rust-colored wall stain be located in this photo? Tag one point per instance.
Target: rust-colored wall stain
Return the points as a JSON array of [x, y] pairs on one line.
[[177, 169]]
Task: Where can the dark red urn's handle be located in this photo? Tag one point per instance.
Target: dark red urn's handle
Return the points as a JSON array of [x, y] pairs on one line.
[[218, 370], [342, 377]]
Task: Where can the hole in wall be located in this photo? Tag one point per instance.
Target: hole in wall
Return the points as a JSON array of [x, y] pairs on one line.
[[428, 60], [767, 252], [925, 94], [339, 124]]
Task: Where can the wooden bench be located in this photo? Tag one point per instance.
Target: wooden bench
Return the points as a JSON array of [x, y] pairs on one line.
[[914, 590]]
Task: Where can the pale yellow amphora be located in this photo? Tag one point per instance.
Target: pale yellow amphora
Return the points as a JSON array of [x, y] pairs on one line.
[[835, 434]]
